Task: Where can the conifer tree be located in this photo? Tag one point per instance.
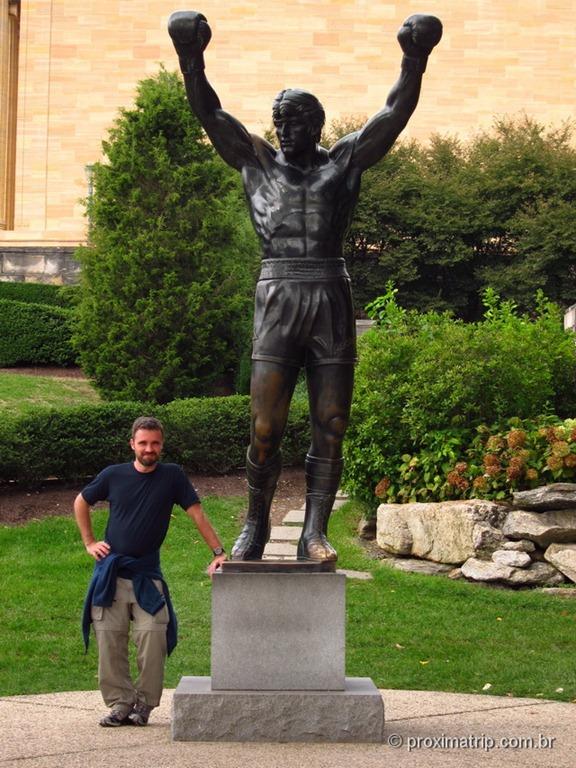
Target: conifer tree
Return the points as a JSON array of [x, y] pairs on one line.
[[169, 268]]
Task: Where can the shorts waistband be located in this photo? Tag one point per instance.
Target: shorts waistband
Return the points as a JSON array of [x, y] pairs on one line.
[[303, 269]]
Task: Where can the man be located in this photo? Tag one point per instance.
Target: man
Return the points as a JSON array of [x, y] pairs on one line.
[[301, 199], [127, 585]]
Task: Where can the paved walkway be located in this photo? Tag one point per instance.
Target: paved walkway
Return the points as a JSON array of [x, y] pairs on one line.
[[423, 729]]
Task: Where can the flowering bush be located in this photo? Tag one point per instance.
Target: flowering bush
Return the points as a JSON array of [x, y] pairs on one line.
[[427, 385], [490, 464]]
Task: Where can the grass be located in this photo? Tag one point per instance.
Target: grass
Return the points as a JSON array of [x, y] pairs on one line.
[[20, 393], [403, 630]]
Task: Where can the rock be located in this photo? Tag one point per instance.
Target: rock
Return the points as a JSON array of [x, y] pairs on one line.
[[360, 575], [563, 557], [541, 527], [410, 565], [455, 573], [367, 528], [524, 545], [559, 591], [445, 532], [511, 558], [486, 570], [538, 574], [547, 497]]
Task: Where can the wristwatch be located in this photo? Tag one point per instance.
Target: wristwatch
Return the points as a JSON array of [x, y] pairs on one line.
[[218, 551]]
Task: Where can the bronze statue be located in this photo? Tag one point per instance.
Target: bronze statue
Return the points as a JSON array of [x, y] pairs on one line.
[[301, 200]]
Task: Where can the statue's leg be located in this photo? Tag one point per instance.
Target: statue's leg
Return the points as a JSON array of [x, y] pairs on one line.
[[330, 394], [271, 390]]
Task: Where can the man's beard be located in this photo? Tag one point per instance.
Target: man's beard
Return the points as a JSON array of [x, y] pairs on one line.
[[149, 460]]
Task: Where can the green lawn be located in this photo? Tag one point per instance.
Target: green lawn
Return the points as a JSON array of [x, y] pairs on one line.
[[403, 630], [21, 392]]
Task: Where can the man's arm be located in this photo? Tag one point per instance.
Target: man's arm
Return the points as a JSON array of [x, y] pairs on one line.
[[97, 549], [417, 37], [208, 534], [191, 34]]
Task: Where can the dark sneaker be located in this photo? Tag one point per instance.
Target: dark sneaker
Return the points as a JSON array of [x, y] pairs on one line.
[[140, 714], [116, 718]]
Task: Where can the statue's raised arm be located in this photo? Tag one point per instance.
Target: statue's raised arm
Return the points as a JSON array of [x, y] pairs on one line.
[[191, 34], [417, 37]]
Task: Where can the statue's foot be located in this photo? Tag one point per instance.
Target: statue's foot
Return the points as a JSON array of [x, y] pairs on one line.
[[248, 546], [315, 546]]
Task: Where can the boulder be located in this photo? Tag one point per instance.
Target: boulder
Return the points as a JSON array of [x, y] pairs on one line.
[[445, 532], [524, 545], [486, 570], [538, 574], [511, 558], [541, 527], [554, 496], [563, 557]]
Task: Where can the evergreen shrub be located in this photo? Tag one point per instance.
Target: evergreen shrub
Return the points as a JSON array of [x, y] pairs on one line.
[[169, 270], [202, 434], [35, 334], [39, 293], [449, 218], [426, 382]]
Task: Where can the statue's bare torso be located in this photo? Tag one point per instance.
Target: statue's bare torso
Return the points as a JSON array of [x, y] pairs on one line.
[[301, 213]]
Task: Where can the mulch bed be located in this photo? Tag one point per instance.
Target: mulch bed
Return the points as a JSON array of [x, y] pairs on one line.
[[19, 506]]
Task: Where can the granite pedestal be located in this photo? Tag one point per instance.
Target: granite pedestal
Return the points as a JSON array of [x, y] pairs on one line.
[[278, 654]]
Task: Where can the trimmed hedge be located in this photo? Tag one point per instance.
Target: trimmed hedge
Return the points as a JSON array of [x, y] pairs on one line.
[[35, 334], [202, 434], [39, 293]]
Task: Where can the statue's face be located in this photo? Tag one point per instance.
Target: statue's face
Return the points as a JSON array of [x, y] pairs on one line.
[[294, 134]]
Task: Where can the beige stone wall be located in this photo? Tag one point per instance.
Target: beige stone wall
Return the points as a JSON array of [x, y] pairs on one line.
[[80, 61], [9, 27]]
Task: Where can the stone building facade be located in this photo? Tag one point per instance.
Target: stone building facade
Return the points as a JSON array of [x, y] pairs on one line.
[[67, 66]]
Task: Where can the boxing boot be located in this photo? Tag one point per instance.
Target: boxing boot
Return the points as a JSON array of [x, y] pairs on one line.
[[262, 482], [322, 481]]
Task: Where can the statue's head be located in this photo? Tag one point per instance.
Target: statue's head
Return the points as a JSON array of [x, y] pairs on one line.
[[296, 105]]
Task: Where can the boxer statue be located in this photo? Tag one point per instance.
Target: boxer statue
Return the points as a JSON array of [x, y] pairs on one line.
[[301, 200]]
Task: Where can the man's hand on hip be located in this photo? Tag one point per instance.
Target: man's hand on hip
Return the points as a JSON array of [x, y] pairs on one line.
[[98, 549]]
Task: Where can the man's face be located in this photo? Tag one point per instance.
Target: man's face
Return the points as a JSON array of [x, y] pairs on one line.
[[147, 445], [294, 135]]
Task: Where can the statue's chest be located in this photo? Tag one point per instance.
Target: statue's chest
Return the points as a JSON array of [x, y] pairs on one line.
[[286, 190]]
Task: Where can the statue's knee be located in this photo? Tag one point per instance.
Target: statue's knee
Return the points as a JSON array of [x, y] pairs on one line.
[[265, 437], [335, 429]]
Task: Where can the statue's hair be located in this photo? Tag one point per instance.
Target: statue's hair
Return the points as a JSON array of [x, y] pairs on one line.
[[302, 103]]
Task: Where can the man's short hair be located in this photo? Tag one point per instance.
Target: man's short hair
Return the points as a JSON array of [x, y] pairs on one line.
[[147, 422], [303, 104]]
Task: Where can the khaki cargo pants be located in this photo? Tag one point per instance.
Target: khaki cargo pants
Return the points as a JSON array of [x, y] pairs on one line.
[[112, 630]]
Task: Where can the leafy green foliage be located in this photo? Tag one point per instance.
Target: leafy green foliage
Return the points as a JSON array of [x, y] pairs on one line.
[[168, 274], [489, 462], [446, 220], [39, 293], [35, 334], [425, 382], [202, 434]]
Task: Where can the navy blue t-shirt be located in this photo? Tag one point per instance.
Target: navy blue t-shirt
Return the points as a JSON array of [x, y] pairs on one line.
[[140, 504]]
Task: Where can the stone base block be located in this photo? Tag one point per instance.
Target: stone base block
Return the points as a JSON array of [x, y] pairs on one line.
[[278, 631], [355, 714]]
